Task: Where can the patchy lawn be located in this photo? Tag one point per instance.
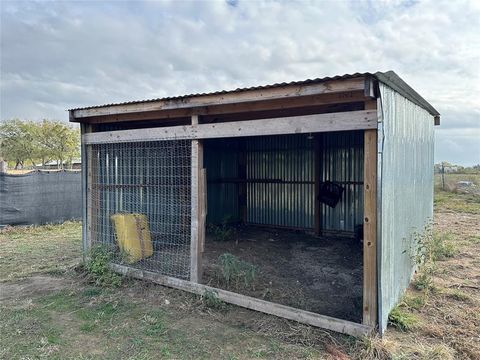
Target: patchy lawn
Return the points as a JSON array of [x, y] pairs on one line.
[[28, 250], [48, 309]]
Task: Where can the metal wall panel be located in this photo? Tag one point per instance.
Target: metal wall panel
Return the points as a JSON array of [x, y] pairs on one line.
[[221, 161], [406, 186], [342, 162], [281, 176], [280, 180]]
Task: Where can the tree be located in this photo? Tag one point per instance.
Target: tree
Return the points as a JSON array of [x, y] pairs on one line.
[[57, 141], [17, 141], [66, 144], [43, 141]]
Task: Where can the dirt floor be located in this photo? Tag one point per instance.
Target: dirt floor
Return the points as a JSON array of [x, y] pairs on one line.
[[318, 274]]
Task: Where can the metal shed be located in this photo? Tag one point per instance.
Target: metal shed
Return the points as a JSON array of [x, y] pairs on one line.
[[261, 156]]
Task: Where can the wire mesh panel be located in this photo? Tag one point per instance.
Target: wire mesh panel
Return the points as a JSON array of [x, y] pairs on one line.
[[139, 203]]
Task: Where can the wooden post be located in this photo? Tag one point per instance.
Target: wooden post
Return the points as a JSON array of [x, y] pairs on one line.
[[197, 230], [88, 230], [370, 226]]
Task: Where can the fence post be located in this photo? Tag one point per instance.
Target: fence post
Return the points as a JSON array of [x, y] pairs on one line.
[[443, 176]]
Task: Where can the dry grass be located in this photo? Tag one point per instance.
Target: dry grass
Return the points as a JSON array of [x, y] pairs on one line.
[[31, 249]]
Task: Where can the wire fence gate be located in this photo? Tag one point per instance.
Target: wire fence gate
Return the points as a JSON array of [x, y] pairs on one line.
[[139, 203]]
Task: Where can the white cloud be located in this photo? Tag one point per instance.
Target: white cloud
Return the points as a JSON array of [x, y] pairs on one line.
[[57, 55]]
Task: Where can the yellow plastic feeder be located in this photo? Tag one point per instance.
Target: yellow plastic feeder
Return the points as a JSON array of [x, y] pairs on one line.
[[133, 236]]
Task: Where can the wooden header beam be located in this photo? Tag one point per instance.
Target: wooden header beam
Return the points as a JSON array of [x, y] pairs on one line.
[[342, 121], [283, 92], [232, 108]]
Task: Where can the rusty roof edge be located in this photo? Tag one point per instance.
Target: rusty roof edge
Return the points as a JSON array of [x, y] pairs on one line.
[[389, 78]]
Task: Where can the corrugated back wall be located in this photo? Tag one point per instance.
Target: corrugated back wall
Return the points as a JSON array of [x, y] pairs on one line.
[[280, 175], [221, 162], [342, 162], [406, 173], [280, 180]]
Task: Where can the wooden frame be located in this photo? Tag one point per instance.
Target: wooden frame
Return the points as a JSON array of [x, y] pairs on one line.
[[198, 104], [370, 225], [302, 316], [198, 205], [340, 121]]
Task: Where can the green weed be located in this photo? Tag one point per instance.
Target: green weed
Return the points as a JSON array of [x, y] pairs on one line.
[[459, 295], [402, 320], [154, 323], [87, 327], [236, 271], [210, 299], [414, 302], [98, 267], [443, 246]]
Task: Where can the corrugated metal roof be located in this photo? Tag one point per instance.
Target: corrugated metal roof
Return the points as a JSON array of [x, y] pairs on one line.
[[390, 78]]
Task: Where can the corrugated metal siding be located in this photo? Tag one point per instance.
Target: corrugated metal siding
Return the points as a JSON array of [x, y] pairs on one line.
[[280, 180], [342, 162], [221, 161], [406, 188]]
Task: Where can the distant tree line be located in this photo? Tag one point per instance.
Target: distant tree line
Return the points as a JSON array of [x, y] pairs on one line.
[[23, 142], [446, 167]]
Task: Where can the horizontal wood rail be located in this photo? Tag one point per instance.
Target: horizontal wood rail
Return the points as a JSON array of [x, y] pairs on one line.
[[234, 98], [341, 121], [302, 316]]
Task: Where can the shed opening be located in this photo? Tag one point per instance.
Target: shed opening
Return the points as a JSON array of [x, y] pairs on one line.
[[268, 234]]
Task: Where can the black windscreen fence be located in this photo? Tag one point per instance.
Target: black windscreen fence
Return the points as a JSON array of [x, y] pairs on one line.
[[40, 197]]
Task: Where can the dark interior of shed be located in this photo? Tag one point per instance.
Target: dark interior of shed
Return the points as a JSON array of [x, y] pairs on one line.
[[267, 234]]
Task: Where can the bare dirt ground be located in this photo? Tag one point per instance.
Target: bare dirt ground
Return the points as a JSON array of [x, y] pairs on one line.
[[36, 285], [323, 275]]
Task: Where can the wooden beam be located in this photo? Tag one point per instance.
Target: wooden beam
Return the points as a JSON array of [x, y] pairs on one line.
[[370, 229], [369, 89], [202, 213], [90, 195], [302, 316], [282, 104], [283, 92], [342, 121], [197, 229]]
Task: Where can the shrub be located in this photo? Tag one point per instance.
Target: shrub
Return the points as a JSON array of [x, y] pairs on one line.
[[429, 248], [442, 246], [98, 267]]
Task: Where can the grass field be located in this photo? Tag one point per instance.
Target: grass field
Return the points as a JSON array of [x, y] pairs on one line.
[[50, 309]]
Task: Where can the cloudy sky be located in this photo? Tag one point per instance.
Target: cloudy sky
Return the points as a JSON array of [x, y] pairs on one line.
[[59, 55]]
